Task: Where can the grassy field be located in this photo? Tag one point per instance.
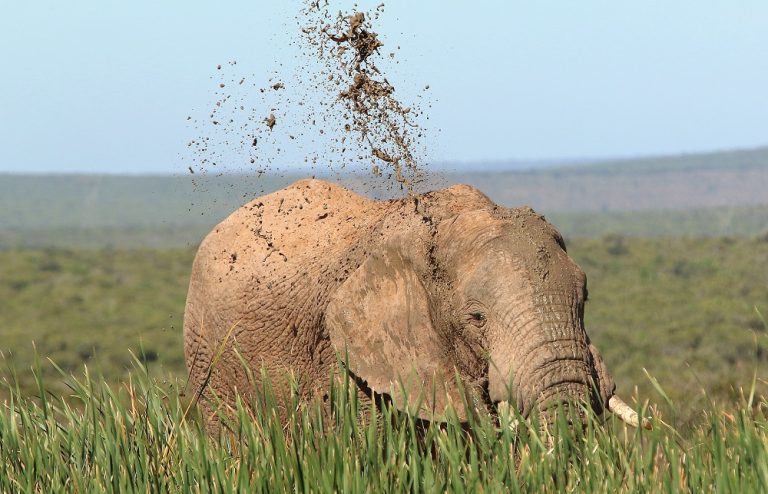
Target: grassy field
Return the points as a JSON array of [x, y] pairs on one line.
[[143, 438], [684, 310], [93, 307]]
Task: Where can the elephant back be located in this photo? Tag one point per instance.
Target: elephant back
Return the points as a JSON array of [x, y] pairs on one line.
[[261, 279]]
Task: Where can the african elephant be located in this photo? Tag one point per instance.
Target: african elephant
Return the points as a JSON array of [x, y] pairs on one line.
[[409, 293]]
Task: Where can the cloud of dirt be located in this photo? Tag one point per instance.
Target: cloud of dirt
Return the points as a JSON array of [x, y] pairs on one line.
[[335, 111], [350, 49]]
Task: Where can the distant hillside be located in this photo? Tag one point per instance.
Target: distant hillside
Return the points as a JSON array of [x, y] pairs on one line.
[[669, 190], [726, 159], [751, 221], [737, 159], [31, 202], [726, 194], [706, 180], [741, 221]]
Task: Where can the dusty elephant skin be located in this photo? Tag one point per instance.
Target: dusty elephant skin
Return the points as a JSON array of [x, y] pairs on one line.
[[411, 292]]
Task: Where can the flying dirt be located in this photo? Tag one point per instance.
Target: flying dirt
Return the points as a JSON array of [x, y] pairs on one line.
[[338, 110]]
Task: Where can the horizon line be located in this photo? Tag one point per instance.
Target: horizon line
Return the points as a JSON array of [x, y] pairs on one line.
[[518, 165]]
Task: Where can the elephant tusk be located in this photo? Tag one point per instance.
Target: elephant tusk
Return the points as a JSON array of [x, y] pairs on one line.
[[626, 413], [504, 407]]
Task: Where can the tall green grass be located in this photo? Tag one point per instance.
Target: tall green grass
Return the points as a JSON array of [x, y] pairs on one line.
[[145, 436]]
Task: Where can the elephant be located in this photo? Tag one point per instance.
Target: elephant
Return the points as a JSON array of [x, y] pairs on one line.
[[414, 295]]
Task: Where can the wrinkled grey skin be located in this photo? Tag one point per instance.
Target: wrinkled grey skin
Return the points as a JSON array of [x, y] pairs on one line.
[[412, 291]]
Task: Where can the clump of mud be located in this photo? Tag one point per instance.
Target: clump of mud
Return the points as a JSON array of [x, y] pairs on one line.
[[349, 49], [335, 113]]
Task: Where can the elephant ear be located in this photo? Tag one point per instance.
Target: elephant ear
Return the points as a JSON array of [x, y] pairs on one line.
[[380, 324]]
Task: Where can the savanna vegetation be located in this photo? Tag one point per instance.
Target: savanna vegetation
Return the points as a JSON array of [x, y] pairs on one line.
[[93, 307], [684, 310]]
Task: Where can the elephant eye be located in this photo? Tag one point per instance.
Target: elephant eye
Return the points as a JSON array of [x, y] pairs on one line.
[[477, 318]]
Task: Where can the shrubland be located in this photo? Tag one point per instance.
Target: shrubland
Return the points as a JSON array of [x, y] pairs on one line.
[[685, 311]]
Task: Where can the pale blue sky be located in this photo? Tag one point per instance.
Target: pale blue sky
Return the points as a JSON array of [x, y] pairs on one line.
[[106, 86]]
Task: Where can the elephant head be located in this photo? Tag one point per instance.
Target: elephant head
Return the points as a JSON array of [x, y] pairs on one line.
[[489, 296]]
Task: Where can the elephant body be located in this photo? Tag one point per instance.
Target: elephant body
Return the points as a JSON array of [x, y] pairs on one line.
[[410, 293]]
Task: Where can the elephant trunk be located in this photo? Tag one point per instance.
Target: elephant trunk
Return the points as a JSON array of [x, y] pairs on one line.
[[542, 360], [545, 361]]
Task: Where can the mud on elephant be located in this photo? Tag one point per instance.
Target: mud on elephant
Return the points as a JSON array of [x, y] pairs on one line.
[[411, 293]]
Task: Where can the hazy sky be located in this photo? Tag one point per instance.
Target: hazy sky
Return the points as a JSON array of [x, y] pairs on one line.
[[106, 86]]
